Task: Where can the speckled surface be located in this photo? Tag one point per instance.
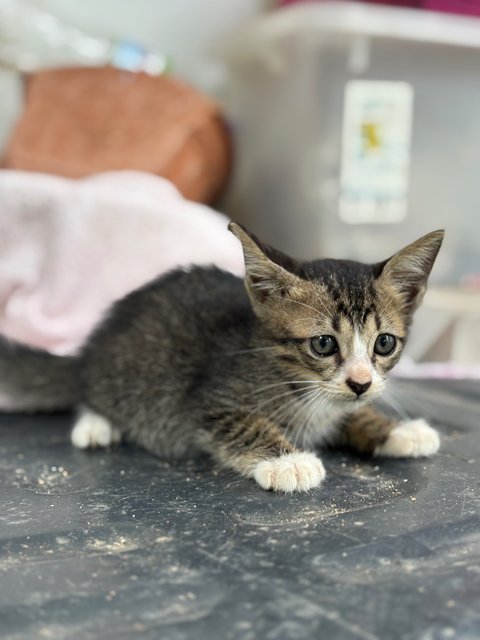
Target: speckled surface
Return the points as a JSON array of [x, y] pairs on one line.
[[122, 545]]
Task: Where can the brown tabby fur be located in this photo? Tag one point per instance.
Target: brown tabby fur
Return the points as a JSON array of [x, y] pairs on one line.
[[192, 362]]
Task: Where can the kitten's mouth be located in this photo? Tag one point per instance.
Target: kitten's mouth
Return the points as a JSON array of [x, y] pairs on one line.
[[353, 400], [365, 398]]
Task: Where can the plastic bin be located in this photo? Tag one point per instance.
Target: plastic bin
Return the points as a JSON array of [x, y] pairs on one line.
[[357, 130]]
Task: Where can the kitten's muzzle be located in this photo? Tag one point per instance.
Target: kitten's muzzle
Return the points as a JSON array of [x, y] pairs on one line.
[[358, 387]]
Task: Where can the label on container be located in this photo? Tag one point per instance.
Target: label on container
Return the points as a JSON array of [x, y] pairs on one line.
[[376, 140]]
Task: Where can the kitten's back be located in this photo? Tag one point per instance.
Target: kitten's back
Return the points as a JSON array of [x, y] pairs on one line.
[[146, 358]]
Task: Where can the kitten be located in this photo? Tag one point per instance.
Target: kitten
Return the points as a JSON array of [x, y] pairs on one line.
[[254, 373]]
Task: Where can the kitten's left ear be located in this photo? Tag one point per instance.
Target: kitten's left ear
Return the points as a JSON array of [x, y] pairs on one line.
[[266, 268], [408, 270]]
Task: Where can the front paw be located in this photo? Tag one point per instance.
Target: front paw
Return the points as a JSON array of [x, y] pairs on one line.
[[290, 472], [93, 430], [412, 439]]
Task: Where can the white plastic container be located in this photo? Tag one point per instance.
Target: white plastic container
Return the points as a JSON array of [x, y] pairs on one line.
[[358, 130]]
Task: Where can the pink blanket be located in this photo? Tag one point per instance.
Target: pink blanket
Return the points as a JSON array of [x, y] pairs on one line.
[[69, 248]]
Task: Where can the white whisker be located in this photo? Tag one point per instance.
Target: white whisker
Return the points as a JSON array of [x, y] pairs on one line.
[[282, 412], [277, 397], [279, 384], [311, 399], [303, 304], [310, 419], [256, 349], [312, 405], [397, 408]]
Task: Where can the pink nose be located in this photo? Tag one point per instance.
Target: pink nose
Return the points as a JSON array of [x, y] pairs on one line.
[[358, 387]]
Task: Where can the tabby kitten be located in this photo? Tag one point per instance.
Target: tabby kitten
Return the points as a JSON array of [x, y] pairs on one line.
[[255, 373]]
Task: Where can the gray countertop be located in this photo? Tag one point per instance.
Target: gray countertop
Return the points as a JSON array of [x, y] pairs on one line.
[[118, 544]]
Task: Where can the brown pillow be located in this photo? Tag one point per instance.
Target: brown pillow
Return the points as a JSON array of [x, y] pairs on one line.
[[83, 121]]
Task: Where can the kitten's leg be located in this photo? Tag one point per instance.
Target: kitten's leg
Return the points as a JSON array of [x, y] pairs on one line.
[[371, 432], [257, 449], [93, 430]]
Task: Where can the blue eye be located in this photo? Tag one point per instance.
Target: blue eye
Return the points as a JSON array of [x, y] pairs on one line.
[[324, 345], [385, 344]]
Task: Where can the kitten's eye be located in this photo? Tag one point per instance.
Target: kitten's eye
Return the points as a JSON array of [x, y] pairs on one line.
[[385, 344], [324, 345]]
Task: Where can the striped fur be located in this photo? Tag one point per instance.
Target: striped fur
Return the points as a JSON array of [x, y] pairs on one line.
[[199, 360]]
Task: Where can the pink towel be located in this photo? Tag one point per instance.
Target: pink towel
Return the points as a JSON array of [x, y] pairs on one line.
[[69, 248]]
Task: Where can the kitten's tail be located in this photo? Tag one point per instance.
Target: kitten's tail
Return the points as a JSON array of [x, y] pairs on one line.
[[34, 380]]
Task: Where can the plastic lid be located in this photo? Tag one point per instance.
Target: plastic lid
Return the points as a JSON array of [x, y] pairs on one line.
[[346, 18]]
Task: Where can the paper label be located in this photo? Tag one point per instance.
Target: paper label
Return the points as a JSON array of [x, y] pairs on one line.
[[376, 141]]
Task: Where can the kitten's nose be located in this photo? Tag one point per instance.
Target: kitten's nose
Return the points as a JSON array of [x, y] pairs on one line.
[[358, 387]]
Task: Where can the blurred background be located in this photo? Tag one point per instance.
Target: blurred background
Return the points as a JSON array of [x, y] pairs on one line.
[[331, 129]]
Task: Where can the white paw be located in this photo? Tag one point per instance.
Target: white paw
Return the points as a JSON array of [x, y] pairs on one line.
[[411, 439], [290, 472], [93, 430]]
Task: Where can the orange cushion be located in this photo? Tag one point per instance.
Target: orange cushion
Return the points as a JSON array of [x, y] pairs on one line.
[[82, 121]]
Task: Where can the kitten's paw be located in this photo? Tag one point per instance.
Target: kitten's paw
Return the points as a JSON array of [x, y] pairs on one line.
[[290, 472], [411, 439], [93, 430]]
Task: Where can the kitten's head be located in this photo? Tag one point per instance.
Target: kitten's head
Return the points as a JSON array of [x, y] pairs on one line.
[[341, 323]]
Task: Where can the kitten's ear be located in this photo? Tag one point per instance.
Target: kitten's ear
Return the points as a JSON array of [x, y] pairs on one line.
[[264, 276], [408, 270]]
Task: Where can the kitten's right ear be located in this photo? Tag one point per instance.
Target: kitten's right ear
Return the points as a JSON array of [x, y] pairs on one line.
[[264, 277]]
